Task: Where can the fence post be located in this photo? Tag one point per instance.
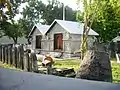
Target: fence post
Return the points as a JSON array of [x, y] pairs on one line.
[[34, 65], [11, 54], [6, 54], [0, 52], [21, 56], [15, 56], [3, 54], [26, 61], [30, 62]]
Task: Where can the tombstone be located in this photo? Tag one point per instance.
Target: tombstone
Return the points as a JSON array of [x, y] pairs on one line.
[[96, 66]]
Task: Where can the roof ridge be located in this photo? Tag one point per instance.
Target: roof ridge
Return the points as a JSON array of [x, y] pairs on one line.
[[65, 20]]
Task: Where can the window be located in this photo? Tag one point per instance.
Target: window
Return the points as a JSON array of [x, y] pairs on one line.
[[38, 41], [58, 41]]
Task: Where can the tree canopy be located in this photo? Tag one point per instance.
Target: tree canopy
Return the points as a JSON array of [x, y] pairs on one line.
[[107, 18], [107, 22], [38, 12], [8, 26]]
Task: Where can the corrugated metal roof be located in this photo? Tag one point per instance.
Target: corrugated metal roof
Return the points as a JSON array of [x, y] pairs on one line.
[[73, 27], [42, 28], [116, 39]]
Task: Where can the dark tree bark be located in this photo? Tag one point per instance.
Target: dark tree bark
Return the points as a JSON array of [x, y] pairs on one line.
[[15, 40]]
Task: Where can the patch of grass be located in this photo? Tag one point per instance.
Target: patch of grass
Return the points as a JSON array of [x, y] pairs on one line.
[[67, 64], [76, 64], [4, 65], [115, 71]]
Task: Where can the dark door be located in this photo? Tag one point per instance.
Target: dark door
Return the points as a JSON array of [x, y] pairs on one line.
[[58, 41], [38, 41]]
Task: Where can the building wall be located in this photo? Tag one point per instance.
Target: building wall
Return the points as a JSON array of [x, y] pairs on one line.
[[75, 42], [36, 32], [71, 42], [55, 30]]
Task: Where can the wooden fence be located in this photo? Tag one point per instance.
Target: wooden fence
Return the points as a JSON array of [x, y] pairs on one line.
[[16, 55]]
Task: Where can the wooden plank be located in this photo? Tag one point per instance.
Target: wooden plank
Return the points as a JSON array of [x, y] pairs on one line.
[[16, 80]]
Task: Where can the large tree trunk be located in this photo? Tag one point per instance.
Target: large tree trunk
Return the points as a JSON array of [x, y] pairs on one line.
[[95, 66], [15, 40]]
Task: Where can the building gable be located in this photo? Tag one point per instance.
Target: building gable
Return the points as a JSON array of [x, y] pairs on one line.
[[71, 27]]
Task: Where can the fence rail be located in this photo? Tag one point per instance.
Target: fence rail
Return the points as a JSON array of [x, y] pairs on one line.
[[16, 55]]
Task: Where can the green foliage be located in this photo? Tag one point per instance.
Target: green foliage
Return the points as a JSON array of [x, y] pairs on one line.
[[107, 22], [5, 4], [8, 26], [106, 18], [38, 12], [12, 30], [115, 72], [89, 15]]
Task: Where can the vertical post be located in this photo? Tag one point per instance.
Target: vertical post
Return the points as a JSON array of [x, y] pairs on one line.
[[11, 54], [16, 55], [7, 54], [30, 62], [3, 54], [34, 62], [26, 62], [63, 11], [0, 52], [21, 56]]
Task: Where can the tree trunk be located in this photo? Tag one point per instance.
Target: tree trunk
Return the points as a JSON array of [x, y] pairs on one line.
[[95, 66], [15, 40]]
